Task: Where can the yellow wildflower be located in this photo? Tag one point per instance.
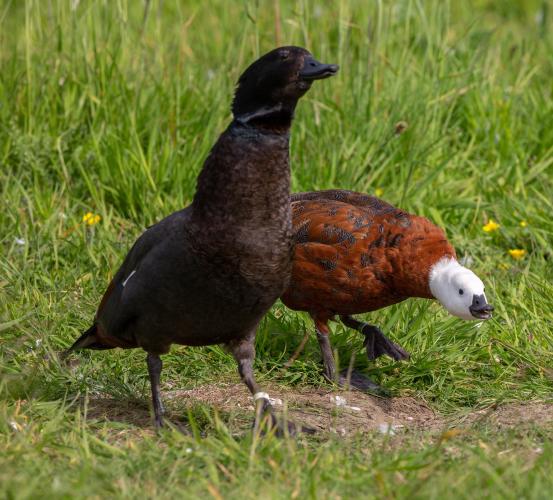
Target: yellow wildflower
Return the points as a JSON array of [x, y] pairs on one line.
[[91, 219], [523, 223], [491, 226], [378, 192], [517, 253]]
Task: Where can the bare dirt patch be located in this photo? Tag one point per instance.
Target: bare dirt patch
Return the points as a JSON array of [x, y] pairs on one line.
[[325, 410], [511, 415], [132, 412]]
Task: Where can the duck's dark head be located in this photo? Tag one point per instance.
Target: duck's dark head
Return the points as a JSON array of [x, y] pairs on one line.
[[268, 91]]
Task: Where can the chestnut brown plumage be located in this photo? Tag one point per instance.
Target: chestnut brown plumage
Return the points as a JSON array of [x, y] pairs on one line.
[[355, 254], [207, 274]]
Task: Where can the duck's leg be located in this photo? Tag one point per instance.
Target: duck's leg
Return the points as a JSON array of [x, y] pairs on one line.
[[243, 351], [343, 379], [154, 369], [321, 328], [376, 342]]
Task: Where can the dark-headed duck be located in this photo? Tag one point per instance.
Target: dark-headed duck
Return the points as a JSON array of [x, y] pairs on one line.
[[208, 273]]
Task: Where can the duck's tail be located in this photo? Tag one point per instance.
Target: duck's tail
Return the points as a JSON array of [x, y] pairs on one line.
[[88, 340]]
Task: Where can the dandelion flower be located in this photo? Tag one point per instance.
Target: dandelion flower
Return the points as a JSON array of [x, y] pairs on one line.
[[491, 226], [91, 219], [523, 223], [517, 253], [378, 192]]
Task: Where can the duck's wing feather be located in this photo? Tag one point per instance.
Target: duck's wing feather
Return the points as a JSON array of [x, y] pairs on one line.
[[359, 200], [155, 235], [328, 222]]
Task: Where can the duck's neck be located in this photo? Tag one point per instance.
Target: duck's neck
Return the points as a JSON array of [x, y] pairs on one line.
[[245, 180], [273, 119], [419, 252]]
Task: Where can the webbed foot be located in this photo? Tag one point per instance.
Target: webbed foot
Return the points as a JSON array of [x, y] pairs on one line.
[[377, 344], [281, 427]]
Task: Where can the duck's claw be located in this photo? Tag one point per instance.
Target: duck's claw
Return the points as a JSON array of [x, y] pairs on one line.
[[281, 427], [378, 344], [288, 428]]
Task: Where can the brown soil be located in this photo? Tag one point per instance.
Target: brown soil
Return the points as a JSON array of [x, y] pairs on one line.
[[511, 415], [318, 408]]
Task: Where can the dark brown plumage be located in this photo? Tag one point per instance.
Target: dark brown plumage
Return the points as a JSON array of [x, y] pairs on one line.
[[355, 254], [207, 274]]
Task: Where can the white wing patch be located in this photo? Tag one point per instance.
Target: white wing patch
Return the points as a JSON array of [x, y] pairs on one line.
[[129, 277]]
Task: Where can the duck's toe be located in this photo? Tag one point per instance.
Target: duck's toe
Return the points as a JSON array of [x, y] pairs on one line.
[[378, 344]]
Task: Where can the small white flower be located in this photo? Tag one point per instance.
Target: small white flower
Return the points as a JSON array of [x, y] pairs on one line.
[[20, 241]]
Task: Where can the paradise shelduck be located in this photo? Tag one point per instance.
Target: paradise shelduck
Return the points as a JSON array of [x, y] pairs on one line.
[[208, 273], [356, 253]]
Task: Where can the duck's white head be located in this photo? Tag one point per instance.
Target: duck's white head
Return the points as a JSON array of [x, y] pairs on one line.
[[459, 290]]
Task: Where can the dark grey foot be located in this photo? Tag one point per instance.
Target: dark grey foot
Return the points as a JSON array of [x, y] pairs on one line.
[[281, 427], [158, 422], [159, 415], [360, 382], [378, 344], [286, 427]]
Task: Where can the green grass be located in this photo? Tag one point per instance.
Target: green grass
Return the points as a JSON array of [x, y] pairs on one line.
[[111, 109]]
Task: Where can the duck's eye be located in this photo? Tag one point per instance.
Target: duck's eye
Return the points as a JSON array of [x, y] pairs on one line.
[[461, 291], [284, 54]]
